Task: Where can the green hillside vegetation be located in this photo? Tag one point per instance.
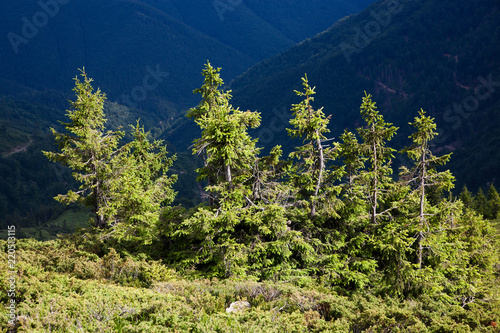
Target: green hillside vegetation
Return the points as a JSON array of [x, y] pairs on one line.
[[327, 239], [70, 285]]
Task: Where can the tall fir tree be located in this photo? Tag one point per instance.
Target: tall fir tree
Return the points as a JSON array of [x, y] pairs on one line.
[[86, 148], [227, 150], [424, 174], [375, 136], [122, 185], [310, 125]]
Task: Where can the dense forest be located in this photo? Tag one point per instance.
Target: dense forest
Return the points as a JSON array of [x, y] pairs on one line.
[[329, 238]]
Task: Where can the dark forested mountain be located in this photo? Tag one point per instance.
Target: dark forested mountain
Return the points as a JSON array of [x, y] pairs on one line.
[[122, 41], [145, 55], [442, 56]]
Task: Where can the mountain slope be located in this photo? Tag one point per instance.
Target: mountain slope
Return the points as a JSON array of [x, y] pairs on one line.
[[121, 41], [86, 34], [257, 28], [436, 55]]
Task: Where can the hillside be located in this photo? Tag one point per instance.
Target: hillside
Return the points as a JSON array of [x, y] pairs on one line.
[[435, 55], [66, 286], [149, 43]]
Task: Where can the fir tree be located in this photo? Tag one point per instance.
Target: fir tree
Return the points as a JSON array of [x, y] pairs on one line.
[[375, 135], [310, 125], [122, 185], [481, 203], [227, 150], [493, 212], [424, 174], [86, 148], [467, 198], [140, 186]]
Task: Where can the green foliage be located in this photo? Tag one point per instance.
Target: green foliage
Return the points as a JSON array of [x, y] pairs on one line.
[[493, 204], [309, 174], [328, 240], [376, 133], [423, 174], [467, 198], [86, 149], [123, 185], [140, 186], [227, 150], [62, 286], [481, 203]]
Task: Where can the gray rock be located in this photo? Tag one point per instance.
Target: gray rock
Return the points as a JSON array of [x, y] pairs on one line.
[[238, 307]]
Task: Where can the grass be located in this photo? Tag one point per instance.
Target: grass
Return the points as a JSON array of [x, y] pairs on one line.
[[66, 223]]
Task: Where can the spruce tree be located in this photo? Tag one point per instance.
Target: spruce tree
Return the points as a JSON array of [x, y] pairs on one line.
[[310, 125], [375, 135], [140, 185], [466, 197], [481, 203], [493, 212], [424, 173], [227, 150], [124, 185], [86, 148], [352, 157]]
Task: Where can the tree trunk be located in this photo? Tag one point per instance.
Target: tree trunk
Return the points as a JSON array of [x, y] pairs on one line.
[[321, 163], [421, 212], [229, 177], [375, 184]]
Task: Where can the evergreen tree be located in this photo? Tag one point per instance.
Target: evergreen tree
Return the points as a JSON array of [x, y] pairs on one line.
[[481, 203], [352, 157], [244, 231], [86, 148], [493, 203], [227, 150], [123, 185], [140, 186], [375, 135], [467, 198], [309, 124], [424, 174]]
